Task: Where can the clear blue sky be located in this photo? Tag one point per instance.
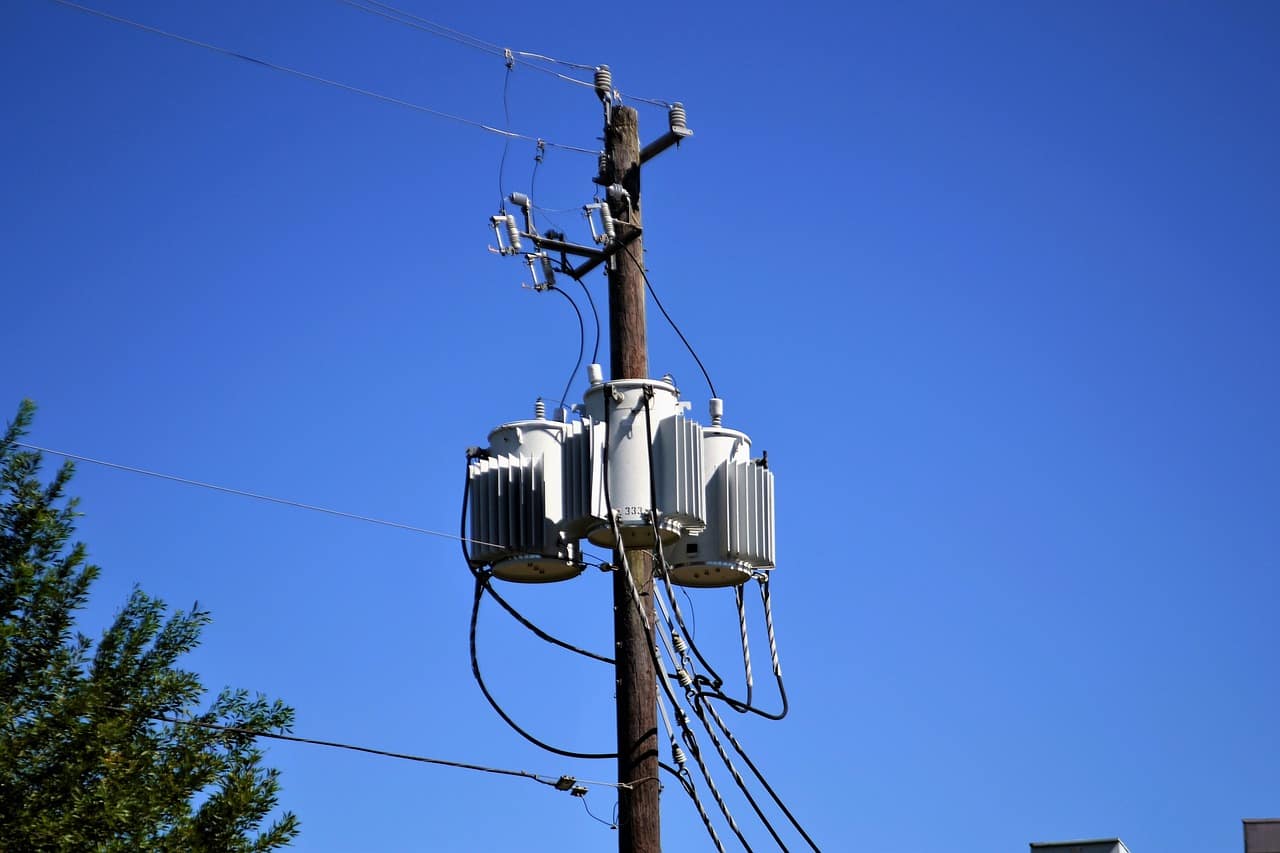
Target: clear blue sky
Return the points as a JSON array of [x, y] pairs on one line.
[[994, 284]]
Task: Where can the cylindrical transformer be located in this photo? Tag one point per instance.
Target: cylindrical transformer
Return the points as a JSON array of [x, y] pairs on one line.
[[517, 504], [738, 536], [620, 407]]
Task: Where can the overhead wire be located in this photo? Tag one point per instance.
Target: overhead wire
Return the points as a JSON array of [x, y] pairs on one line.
[[640, 265], [540, 778], [243, 493], [527, 58], [418, 22], [318, 79]]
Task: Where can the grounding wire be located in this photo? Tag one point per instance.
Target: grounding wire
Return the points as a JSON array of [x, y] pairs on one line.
[[256, 496], [318, 79], [640, 266], [582, 344]]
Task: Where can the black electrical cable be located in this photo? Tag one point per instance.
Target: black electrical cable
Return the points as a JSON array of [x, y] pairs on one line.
[[481, 579], [533, 182], [506, 145], [582, 343], [493, 703], [541, 634], [733, 741], [640, 266], [516, 614], [595, 350]]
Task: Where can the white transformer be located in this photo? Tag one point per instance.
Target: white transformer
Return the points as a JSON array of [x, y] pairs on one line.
[[544, 485], [651, 450], [738, 537], [517, 503]]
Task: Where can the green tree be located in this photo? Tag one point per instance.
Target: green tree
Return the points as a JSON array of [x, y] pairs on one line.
[[84, 763]]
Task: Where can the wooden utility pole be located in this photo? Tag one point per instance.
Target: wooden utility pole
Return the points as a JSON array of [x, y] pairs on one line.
[[638, 817]]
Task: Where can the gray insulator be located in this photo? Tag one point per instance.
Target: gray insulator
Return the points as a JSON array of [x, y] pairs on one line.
[[604, 166], [618, 194], [681, 646], [686, 680], [604, 83], [717, 411], [606, 219], [677, 755], [540, 409], [513, 233], [520, 200], [676, 117], [548, 272]]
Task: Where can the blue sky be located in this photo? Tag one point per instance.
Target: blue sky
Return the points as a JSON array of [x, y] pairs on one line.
[[994, 284]]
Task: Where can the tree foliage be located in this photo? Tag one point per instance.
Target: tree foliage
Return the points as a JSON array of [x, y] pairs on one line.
[[84, 763]]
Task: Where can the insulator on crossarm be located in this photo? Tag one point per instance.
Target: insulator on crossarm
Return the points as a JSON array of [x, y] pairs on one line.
[[604, 83], [676, 118]]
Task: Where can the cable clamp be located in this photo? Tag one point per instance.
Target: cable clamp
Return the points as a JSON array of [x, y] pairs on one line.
[[566, 783], [509, 57]]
